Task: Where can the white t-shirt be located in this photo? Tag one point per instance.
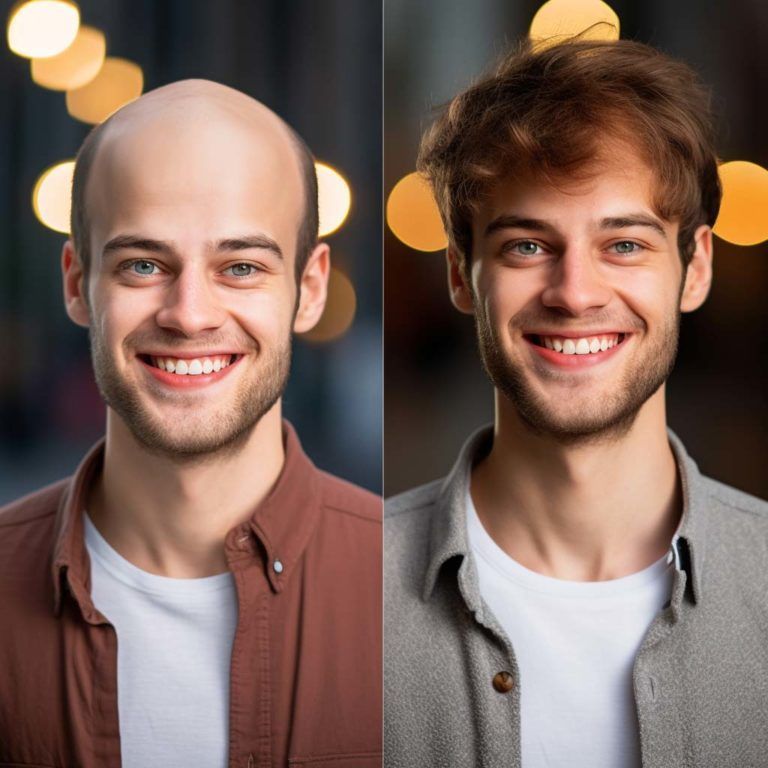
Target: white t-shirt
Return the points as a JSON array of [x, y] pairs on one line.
[[174, 643], [575, 644]]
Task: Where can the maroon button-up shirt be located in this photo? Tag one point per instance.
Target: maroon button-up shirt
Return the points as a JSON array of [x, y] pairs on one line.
[[305, 674]]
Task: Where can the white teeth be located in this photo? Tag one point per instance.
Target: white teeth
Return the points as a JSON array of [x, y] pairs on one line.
[[582, 346], [193, 367]]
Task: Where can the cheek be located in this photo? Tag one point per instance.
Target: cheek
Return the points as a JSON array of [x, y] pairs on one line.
[[649, 294], [263, 316]]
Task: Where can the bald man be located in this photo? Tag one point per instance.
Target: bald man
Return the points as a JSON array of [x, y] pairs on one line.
[[197, 593]]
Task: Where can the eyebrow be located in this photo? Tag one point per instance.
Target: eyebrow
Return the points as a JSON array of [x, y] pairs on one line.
[[510, 221], [230, 244]]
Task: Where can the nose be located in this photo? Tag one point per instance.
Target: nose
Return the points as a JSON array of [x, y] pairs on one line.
[[575, 284], [190, 305]]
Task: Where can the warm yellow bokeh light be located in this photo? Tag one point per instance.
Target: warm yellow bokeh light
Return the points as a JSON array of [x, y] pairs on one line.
[[75, 66], [118, 82], [339, 309], [413, 216], [333, 198], [558, 20], [51, 197], [42, 27], [743, 217]]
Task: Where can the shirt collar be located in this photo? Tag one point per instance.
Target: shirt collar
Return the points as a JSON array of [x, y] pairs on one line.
[[282, 525], [448, 539]]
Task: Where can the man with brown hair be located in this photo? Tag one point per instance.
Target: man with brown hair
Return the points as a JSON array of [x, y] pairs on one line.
[[198, 593], [575, 593]]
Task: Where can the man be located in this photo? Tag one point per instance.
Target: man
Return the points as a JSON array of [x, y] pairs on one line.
[[198, 593], [575, 593]]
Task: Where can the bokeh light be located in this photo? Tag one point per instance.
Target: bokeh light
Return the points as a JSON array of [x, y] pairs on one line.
[[119, 81], [75, 66], [51, 197], [743, 217], [558, 20], [333, 198], [42, 27], [413, 216], [339, 309]]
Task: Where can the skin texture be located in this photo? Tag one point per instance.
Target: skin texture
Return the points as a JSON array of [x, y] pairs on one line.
[[188, 167], [581, 482]]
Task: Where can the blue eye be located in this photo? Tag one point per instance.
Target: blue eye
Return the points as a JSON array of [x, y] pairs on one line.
[[238, 270], [626, 246], [523, 248], [145, 267]]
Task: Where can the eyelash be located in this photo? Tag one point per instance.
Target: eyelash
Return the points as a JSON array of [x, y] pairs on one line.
[[128, 265], [509, 247]]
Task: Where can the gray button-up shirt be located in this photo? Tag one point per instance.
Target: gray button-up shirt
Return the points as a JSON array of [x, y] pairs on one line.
[[700, 678]]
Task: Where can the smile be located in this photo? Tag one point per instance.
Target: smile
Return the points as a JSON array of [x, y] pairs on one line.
[[576, 352], [186, 372]]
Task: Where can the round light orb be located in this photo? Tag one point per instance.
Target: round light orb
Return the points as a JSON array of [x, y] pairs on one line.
[[118, 82], [52, 196], [339, 309], [742, 219], [40, 28], [559, 20], [413, 216], [75, 66], [333, 198]]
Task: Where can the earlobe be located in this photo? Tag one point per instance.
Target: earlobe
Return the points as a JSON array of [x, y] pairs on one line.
[[313, 289], [698, 276], [460, 292], [75, 300]]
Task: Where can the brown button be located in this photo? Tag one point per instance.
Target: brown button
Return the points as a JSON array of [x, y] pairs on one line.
[[502, 682]]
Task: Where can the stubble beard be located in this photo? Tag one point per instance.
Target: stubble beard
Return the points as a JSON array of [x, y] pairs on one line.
[[607, 419], [208, 439]]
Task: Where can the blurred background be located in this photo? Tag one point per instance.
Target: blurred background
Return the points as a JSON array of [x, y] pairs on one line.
[[318, 65], [436, 392]]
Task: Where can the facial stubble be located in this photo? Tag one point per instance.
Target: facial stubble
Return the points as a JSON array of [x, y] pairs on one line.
[[193, 442], [605, 421]]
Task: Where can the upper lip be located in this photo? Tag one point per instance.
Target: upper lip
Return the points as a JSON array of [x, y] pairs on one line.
[[190, 355], [576, 334]]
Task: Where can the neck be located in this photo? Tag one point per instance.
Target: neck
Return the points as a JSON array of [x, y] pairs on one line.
[[171, 518], [586, 512]]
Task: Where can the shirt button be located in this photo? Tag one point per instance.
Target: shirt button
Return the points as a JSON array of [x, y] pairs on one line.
[[502, 682], [278, 566]]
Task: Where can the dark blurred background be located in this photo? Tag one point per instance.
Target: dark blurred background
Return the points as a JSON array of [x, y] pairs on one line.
[[318, 65], [436, 391]]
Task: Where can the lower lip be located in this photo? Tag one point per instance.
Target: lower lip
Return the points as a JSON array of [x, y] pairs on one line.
[[576, 361], [188, 381]]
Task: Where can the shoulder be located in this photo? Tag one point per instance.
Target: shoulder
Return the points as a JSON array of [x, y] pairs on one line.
[[342, 498], [738, 502], [36, 508], [407, 525], [27, 529], [732, 514]]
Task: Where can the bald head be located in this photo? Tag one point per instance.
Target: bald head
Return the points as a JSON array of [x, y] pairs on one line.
[[187, 135]]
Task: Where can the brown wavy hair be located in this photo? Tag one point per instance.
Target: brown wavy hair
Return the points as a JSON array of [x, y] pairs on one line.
[[551, 111]]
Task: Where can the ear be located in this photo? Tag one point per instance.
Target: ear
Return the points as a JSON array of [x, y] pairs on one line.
[[313, 289], [698, 276], [460, 291], [75, 289]]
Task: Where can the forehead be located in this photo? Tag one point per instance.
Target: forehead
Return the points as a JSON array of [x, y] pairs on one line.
[[196, 169], [609, 186]]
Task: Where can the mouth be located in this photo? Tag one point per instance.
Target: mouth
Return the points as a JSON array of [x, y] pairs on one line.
[[190, 366], [189, 372], [576, 351]]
